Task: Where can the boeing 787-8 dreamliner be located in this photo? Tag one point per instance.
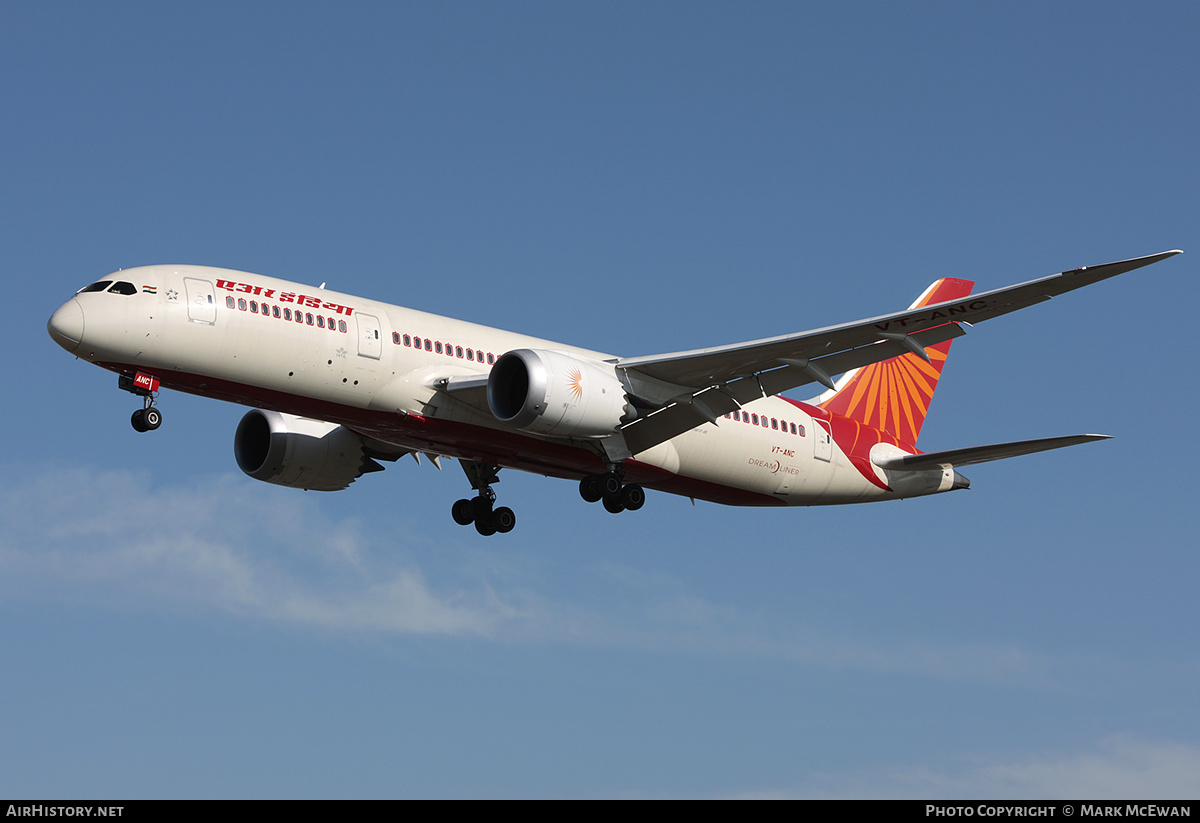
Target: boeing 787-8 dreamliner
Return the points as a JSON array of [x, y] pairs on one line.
[[338, 383]]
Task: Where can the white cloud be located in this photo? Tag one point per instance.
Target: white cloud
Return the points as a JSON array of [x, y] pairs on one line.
[[114, 535], [1122, 767], [272, 554], [1118, 767]]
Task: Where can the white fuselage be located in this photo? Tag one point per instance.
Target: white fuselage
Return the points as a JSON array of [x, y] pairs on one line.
[[374, 368]]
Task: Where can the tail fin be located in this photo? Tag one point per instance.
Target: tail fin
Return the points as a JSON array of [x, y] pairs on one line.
[[893, 395]]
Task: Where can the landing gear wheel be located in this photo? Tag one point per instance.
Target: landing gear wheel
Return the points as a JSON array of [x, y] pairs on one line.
[[462, 512], [633, 497], [479, 509], [138, 421], [152, 418], [613, 504], [591, 489], [504, 519], [609, 488]]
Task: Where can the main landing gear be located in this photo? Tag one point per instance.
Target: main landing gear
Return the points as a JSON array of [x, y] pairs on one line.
[[609, 489], [148, 418], [481, 510]]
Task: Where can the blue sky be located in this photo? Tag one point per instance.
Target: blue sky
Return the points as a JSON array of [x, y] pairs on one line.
[[634, 178]]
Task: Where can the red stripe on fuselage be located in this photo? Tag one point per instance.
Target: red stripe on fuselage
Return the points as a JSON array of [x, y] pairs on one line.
[[494, 446], [854, 439]]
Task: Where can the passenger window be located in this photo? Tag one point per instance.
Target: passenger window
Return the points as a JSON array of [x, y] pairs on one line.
[[275, 310], [253, 307], [470, 354], [437, 347], [428, 344], [287, 314], [229, 302], [793, 425], [320, 321], [774, 423], [241, 304], [341, 325]]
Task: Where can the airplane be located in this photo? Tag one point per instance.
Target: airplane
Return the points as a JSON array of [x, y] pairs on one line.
[[337, 383]]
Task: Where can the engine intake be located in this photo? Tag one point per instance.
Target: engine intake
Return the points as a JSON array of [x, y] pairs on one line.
[[298, 452], [552, 393]]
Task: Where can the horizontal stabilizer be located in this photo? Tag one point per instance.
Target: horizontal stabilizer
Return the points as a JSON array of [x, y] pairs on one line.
[[983, 454]]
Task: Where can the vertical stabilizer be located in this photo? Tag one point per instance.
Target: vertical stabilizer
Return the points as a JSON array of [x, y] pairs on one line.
[[893, 395]]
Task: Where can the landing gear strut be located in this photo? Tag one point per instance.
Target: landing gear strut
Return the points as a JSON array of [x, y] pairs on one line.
[[481, 509], [148, 418], [609, 489]]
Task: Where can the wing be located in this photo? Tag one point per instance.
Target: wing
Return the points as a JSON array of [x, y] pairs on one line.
[[681, 390]]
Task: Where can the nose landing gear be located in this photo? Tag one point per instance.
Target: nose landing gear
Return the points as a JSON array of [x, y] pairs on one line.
[[148, 418]]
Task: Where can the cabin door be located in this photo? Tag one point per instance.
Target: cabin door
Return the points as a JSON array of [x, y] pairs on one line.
[[202, 307], [370, 342]]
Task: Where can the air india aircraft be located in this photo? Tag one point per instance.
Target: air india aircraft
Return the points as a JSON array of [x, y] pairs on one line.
[[338, 383]]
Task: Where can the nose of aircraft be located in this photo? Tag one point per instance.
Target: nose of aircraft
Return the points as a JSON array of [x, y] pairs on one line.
[[66, 325]]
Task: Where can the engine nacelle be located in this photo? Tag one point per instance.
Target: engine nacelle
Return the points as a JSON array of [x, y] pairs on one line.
[[298, 452], [551, 393]]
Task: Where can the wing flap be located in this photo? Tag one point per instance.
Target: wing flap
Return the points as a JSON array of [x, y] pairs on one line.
[[774, 382], [683, 415]]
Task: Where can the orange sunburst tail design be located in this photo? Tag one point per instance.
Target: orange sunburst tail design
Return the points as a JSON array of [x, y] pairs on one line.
[[893, 395]]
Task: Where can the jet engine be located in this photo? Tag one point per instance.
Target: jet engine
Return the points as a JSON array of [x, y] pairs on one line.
[[555, 394], [298, 452]]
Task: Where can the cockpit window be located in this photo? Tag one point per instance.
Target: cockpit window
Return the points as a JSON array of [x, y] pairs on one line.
[[121, 287], [101, 286]]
